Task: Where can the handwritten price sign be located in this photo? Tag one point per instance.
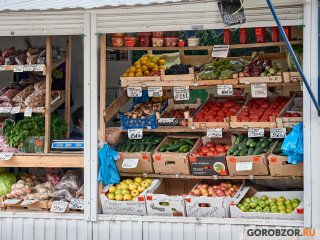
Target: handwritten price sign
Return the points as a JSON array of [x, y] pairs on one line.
[[255, 132], [259, 90], [225, 90], [134, 91], [214, 133], [135, 133], [77, 204], [181, 93], [155, 91], [59, 206], [5, 156], [130, 163], [278, 133]]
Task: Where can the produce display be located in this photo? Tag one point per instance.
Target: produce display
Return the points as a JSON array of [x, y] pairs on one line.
[[217, 111], [268, 205], [277, 150], [147, 144], [261, 68], [222, 189], [222, 69], [142, 110], [180, 116], [211, 149], [36, 99], [244, 146], [182, 145], [128, 189], [149, 65], [178, 69], [6, 181], [261, 109]]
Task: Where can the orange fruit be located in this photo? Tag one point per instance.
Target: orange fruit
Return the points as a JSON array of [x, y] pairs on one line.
[[131, 74]]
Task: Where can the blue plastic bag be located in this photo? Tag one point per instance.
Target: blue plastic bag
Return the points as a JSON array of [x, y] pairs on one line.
[[108, 172], [293, 145]]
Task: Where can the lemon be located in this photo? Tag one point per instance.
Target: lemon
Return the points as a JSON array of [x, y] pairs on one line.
[[146, 73], [151, 65], [162, 62], [139, 74], [131, 74], [125, 75], [150, 56], [144, 68], [132, 69], [138, 70]]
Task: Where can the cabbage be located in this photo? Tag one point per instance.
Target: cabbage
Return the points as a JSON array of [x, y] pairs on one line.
[[6, 181]]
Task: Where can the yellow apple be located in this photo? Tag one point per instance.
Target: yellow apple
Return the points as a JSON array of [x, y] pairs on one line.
[[127, 197], [125, 191], [118, 186], [124, 186], [128, 181], [149, 180], [141, 188], [138, 179], [132, 186], [118, 191], [119, 197], [145, 184], [137, 184], [110, 196], [134, 193], [112, 189]]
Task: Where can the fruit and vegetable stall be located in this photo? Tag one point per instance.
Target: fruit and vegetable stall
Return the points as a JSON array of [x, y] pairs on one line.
[[193, 130]]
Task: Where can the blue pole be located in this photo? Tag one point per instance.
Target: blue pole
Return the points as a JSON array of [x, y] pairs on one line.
[[289, 47]]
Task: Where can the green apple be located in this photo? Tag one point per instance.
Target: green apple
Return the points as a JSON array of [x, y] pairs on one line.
[[274, 208], [243, 209], [262, 204], [288, 202], [273, 205], [125, 191], [295, 205], [282, 197], [289, 209], [267, 203], [264, 198], [253, 205], [118, 191], [248, 200], [255, 199], [282, 208], [295, 200], [246, 205], [239, 205], [272, 200], [280, 202], [267, 209], [252, 210], [258, 209]]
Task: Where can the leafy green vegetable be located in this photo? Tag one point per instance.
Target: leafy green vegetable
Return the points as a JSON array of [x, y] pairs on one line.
[[16, 133], [6, 181]]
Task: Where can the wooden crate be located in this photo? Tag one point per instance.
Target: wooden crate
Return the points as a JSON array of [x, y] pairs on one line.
[[233, 81], [180, 77], [291, 77], [44, 205], [138, 81], [271, 79]]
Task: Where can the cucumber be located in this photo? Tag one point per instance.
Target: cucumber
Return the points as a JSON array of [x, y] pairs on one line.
[[242, 145], [128, 147], [263, 139], [265, 144], [149, 147], [250, 152], [162, 149], [133, 148], [123, 147], [142, 147], [250, 140], [233, 148], [270, 140], [244, 152], [259, 144], [240, 138], [188, 141], [277, 150], [258, 151], [170, 144], [176, 146], [252, 144], [236, 153], [229, 153]]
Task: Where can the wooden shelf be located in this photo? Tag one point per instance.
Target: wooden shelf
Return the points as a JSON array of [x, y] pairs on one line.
[[152, 175], [176, 129], [49, 160], [234, 46]]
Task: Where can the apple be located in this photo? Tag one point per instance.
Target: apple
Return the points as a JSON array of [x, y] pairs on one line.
[[206, 194], [223, 185], [197, 192], [243, 208], [266, 209], [264, 198], [281, 212], [288, 202], [128, 181], [229, 185], [135, 193], [112, 189], [215, 187], [125, 191], [124, 186], [223, 188], [213, 194], [119, 197], [258, 209], [210, 192], [232, 194], [295, 205], [110, 196], [280, 201], [118, 191], [272, 200], [210, 188], [141, 188], [255, 199], [248, 200], [289, 209], [149, 180], [232, 189], [191, 193], [138, 180], [206, 186], [246, 204], [132, 186], [282, 198], [282, 208], [145, 184], [262, 204], [253, 205], [127, 197]]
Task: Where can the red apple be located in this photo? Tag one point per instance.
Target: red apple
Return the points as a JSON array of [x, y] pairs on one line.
[[223, 188], [197, 192], [206, 194], [206, 186]]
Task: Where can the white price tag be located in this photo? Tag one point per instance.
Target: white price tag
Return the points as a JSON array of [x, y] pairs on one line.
[[181, 93], [134, 91], [38, 67], [255, 132], [28, 112], [59, 206], [15, 110], [18, 68], [12, 201], [168, 121], [28, 68], [155, 91], [225, 90], [5, 156], [220, 51], [244, 166], [135, 133], [278, 132], [38, 109], [77, 204], [2, 67], [214, 133], [5, 109], [28, 202], [259, 90], [130, 163]]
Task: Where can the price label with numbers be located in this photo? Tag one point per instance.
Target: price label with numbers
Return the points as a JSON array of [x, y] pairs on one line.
[[12, 201], [168, 121], [278, 132], [255, 132], [76, 204], [220, 51], [59, 206], [134, 91], [155, 91], [225, 90], [135, 133], [244, 166], [5, 109], [38, 109], [28, 68], [2, 67], [15, 110], [181, 93], [130, 163], [5, 156], [259, 90], [28, 202], [18, 68], [38, 67], [214, 133], [28, 112]]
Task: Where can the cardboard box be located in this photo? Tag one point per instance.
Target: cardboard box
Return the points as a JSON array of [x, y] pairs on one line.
[[297, 214], [172, 162], [279, 166], [134, 207], [168, 198], [217, 207], [294, 106], [144, 162], [209, 165]]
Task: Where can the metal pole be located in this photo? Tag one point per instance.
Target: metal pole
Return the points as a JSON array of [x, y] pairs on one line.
[[289, 47]]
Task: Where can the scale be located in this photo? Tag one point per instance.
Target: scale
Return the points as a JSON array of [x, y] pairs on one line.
[[232, 12], [67, 144]]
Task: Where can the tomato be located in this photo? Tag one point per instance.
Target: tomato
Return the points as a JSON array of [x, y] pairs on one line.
[[215, 154], [228, 103], [220, 148], [210, 144], [246, 119], [275, 113], [220, 114], [198, 155], [232, 110], [204, 150], [296, 115], [220, 119], [225, 110], [210, 153], [227, 147], [287, 115], [212, 149]]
